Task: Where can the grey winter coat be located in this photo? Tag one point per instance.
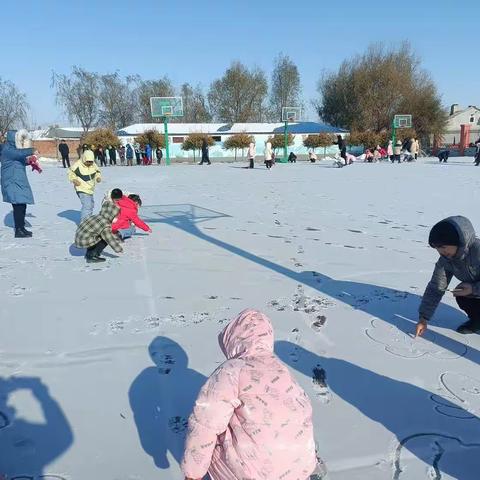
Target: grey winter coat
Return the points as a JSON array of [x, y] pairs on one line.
[[465, 266]]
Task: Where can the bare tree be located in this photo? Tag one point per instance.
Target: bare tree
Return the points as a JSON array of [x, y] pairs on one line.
[[239, 96], [78, 94], [151, 88], [285, 86], [194, 105], [369, 89], [13, 106], [117, 100]]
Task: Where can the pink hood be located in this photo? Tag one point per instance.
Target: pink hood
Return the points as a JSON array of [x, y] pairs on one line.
[[251, 419], [250, 334]]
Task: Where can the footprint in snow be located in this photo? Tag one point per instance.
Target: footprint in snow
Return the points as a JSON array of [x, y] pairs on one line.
[[319, 381], [177, 424]]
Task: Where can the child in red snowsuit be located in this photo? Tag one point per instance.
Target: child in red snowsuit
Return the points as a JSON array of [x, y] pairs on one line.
[[128, 217]]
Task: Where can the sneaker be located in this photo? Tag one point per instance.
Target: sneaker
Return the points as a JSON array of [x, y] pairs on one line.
[[94, 259], [469, 327]]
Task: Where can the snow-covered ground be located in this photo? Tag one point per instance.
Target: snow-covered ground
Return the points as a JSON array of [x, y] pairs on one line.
[[100, 365]]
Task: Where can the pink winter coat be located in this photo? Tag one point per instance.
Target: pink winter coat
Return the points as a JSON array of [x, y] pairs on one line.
[[251, 420]]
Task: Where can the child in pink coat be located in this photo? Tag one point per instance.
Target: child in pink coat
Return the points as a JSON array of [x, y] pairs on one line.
[[251, 420]]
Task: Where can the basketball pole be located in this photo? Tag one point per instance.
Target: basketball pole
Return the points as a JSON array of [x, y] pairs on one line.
[[285, 144], [167, 146], [394, 133]]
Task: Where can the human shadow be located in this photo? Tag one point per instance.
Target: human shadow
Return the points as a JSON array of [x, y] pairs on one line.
[[162, 398], [8, 220], [406, 410], [28, 447], [395, 307], [72, 215], [75, 251]]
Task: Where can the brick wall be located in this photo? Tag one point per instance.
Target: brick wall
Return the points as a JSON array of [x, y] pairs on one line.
[[49, 148]]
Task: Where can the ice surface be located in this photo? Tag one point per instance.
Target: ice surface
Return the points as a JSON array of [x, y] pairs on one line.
[[100, 365]]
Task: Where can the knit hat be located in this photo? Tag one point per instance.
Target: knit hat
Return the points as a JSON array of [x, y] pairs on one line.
[[444, 233]]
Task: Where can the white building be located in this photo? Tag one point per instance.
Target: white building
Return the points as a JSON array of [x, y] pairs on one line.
[[177, 132], [457, 118]]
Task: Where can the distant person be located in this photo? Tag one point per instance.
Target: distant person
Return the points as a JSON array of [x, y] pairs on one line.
[[251, 155], [64, 152], [95, 232], [112, 153], [268, 155], [455, 240], [292, 158], [159, 155], [251, 419], [416, 148], [342, 147], [477, 153], [397, 151], [15, 155], [100, 157], [312, 156], [138, 154], [121, 154], [85, 175], [205, 154], [129, 153], [443, 155], [148, 154], [376, 155], [390, 151]]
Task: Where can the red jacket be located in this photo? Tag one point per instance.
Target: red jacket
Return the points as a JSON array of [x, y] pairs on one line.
[[128, 214]]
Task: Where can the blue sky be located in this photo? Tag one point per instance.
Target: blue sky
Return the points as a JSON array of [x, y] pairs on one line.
[[195, 40]]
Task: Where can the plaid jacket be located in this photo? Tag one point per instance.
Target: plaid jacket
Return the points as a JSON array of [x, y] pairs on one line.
[[97, 227]]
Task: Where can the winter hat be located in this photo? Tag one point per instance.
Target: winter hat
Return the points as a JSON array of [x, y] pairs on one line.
[[443, 233]]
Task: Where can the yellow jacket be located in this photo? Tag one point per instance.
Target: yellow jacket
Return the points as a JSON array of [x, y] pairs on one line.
[[88, 176]]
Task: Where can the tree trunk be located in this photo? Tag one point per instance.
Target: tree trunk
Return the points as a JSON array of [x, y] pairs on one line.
[[235, 154]]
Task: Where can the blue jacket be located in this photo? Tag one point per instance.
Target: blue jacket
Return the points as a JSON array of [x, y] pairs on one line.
[[15, 186], [148, 151]]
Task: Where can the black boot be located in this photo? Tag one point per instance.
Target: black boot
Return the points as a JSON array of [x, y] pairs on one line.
[[22, 233], [94, 259], [471, 326]]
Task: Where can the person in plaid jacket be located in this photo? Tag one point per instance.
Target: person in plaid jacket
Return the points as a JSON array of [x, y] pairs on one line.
[[95, 233]]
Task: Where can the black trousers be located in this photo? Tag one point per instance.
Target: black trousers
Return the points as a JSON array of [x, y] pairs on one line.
[[269, 164], [471, 306], [205, 158], [252, 163], [19, 211], [96, 250], [65, 161]]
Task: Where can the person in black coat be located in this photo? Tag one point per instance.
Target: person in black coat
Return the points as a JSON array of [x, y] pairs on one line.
[[112, 152], [100, 157], [205, 157], [64, 152], [292, 158], [342, 146], [159, 154]]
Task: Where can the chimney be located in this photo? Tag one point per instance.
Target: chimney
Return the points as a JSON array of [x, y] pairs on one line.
[[454, 109]]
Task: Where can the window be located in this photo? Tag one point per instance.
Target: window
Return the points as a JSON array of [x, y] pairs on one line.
[[217, 138], [472, 119], [177, 139]]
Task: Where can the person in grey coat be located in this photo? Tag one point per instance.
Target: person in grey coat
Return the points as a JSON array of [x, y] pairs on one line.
[[15, 156], [454, 239]]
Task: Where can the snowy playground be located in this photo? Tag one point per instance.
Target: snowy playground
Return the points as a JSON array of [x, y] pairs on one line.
[[100, 365]]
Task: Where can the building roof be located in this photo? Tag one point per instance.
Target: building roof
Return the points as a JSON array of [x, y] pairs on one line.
[[229, 129], [57, 132], [310, 128]]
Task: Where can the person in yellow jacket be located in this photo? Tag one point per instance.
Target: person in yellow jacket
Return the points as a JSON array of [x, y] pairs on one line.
[[85, 174]]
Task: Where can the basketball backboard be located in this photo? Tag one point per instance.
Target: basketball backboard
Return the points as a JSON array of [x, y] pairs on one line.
[[166, 107], [402, 121], [291, 114]]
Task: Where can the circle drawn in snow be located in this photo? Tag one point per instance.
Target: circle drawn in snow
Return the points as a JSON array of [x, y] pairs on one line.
[[446, 455], [403, 345], [459, 388]]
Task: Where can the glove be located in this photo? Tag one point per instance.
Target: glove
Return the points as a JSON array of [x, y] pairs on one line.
[[32, 160]]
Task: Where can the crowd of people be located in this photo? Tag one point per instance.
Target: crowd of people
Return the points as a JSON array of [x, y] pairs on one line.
[[251, 418], [124, 155]]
